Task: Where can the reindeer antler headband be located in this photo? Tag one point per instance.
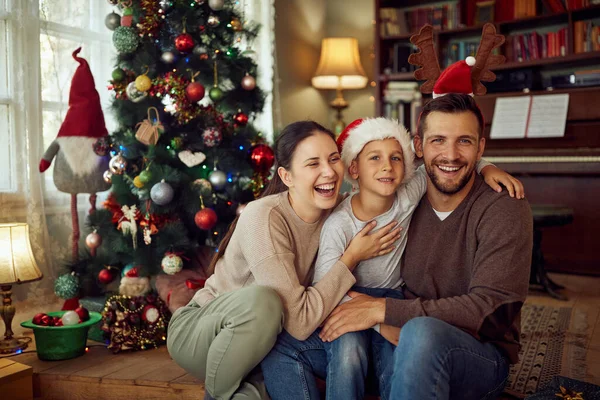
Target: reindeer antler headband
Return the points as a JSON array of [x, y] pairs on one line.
[[464, 76]]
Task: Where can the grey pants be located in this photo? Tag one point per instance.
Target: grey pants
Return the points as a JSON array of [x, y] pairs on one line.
[[222, 342]]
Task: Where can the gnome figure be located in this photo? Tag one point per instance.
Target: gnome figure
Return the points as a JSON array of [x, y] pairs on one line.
[[78, 168]]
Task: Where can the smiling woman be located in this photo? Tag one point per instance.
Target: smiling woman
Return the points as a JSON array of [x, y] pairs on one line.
[[264, 266]]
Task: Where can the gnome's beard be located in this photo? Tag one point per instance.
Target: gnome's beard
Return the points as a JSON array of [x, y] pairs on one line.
[[79, 154]]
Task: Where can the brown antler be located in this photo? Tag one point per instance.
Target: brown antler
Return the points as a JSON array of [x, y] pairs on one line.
[[425, 58], [484, 60]]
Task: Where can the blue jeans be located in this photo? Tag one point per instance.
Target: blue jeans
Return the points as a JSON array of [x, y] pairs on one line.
[[435, 360], [291, 366]]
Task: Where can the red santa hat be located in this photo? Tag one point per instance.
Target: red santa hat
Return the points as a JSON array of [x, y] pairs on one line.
[[455, 79], [364, 130], [84, 116]]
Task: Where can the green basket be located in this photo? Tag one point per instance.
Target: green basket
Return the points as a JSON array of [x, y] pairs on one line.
[[61, 342]]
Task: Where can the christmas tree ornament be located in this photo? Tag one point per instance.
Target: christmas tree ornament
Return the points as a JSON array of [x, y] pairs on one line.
[[215, 94], [127, 17], [239, 209], [93, 241], [66, 286], [206, 218], [236, 24], [125, 39], [128, 223], [107, 176], [150, 314], [162, 193], [107, 275], [202, 185], [184, 42], [191, 159], [240, 118], [248, 82], [147, 234], [83, 313], [177, 143], [199, 2], [149, 130], [133, 94], [117, 164], [137, 182], [70, 318], [112, 21], [143, 82], [41, 319], [194, 91], [201, 52], [213, 21], [262, 158], [168, 57], [118, 75], [102, 146], [133, 284], [218, 179], [232, 53], [145, 176], [211, 137], [216, 5], [171, 264], [165, 5]]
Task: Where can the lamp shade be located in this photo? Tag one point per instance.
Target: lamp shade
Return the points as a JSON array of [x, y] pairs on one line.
[[339, 65], [17, 264]]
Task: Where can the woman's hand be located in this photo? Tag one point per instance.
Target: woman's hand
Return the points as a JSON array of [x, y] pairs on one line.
[[494, 175], [390, 333], [367, 245]]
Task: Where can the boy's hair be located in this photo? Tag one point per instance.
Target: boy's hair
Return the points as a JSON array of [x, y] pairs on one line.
[[362, 131], [450, 103]]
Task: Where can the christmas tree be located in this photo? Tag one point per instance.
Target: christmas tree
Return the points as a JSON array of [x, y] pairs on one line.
[[185, 158]]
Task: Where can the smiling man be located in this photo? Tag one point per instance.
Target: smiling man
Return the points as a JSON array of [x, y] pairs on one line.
[[466, 270]]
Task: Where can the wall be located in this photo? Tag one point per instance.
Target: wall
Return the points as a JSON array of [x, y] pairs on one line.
[[299, 28]]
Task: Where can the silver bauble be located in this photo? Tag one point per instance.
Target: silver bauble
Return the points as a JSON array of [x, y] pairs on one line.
[[107, 176], [162, 193], [168, 57], [112, 21], [216, 5], [117, 164], [93, 240], [213, 21], [70, 318], [248, 82], [133, 94], [218, 179]]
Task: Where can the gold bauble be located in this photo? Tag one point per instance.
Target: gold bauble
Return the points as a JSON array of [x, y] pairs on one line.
[[143, 83], [236, 24], [137, 182]]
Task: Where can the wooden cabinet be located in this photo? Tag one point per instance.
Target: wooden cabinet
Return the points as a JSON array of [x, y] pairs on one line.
[[560, 44]]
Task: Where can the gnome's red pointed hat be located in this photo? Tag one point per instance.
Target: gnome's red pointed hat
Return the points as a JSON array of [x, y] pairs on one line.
[[84, 117], [464, 76]]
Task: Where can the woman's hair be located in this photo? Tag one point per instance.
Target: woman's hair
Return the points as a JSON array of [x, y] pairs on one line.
[[450, 103], [285, 147]]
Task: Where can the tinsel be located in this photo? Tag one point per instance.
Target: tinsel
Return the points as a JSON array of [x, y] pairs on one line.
[[119, 87], [150, 21]]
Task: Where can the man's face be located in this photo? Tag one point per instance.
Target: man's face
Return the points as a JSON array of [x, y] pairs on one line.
[[450, 149]]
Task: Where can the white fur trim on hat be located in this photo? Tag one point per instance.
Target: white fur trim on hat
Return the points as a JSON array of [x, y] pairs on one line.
[[378, 129]]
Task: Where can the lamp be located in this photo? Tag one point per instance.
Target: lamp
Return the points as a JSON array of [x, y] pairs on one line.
[[339, 68], [17, 265]]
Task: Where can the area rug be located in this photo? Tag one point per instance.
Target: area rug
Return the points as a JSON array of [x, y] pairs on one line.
[[551, 345]]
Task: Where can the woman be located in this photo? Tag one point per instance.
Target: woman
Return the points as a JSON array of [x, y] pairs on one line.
[[264, 266]]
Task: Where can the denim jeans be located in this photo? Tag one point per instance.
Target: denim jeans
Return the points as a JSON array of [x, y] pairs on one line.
[[291, 366], [435, 360]]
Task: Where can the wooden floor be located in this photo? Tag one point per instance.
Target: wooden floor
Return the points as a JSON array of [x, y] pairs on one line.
[[153, 375]]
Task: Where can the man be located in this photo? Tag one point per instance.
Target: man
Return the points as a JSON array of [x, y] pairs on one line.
[[466, 269]]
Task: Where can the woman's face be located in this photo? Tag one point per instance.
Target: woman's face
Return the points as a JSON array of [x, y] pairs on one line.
[[314, 177]]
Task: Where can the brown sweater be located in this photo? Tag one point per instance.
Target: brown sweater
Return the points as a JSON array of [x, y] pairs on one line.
[[272, 246], [470, 270]]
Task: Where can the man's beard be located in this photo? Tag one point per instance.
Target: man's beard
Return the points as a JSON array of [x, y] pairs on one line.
[[448, 188]]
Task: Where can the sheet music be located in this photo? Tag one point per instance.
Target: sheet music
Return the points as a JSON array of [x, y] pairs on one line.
[[548, 116], [510, 117]]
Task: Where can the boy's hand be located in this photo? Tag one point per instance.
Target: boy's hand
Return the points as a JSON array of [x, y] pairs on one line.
[[358, 314], [367, 245], [494, 175]]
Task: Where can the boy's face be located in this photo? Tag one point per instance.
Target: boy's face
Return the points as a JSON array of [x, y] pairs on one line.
[[379, 167]]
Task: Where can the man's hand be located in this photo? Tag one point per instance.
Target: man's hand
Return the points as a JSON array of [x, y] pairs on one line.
[[390, 333], [358, 314]]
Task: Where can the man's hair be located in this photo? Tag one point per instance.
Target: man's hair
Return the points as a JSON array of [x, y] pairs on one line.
[[451, 103]]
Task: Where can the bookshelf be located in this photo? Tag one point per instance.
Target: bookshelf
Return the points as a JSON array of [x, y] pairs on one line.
[[564, 170]]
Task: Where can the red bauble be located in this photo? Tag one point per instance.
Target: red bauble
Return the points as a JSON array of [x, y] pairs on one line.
[[194, 92], [241, 118], [206, 218], [150, 314], [83, 313], [262, 158], [106, 276], [184, 43], [57, 321], [40, 319]]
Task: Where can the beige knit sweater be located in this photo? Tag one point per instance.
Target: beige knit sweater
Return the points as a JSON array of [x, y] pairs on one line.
[[272, 246]]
